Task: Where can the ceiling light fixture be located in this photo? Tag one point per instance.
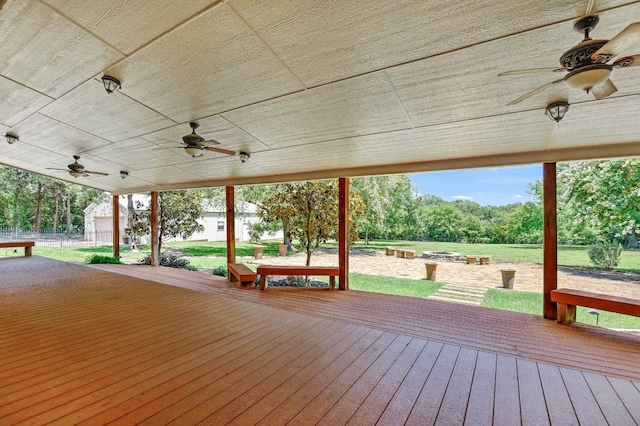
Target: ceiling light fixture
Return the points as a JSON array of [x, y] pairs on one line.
[[11, 139], [123, 174], [111, 84], [193, 151], [244, 156], [557, 110]]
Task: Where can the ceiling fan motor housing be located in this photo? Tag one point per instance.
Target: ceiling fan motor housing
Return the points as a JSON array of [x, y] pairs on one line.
[[580, 55]]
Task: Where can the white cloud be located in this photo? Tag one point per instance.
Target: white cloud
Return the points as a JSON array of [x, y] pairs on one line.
[[461, 197], [517, 196]]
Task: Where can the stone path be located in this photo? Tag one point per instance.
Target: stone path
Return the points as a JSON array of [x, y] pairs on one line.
[[528, 276]]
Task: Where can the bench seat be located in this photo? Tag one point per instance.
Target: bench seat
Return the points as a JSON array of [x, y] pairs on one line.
[[568, 299], [265, 270], [240, 274], [13, 244]]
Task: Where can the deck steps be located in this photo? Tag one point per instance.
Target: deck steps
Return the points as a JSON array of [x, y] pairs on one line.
[[460, 294]]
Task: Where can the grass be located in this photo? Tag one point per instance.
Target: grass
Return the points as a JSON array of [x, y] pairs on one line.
[[391, 285], [531, 303]]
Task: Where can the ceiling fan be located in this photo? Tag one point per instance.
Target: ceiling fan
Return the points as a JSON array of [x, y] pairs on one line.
[[589, 63], [76, 169], [195, 145]]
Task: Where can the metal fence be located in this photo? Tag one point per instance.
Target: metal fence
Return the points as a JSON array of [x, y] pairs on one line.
[[58, 239]]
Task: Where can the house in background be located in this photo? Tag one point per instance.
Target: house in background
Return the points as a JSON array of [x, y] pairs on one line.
[[98, 223]]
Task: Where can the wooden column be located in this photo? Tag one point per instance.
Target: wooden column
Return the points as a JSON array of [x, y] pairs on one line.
[[116, 226], [550, 238], [343, 232], [231, 225], [155, 234]]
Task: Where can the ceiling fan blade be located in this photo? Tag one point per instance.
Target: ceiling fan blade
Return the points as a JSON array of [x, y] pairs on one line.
[[627, 61], [61, 170], [589, 8], [605, 89], [532, 71], [220, 150], [535, 91], [617, 45], [95, 173], [209, 142]]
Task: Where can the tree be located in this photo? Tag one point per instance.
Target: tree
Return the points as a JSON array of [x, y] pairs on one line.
[[605, 195], [377, 194], [178, 214], [310, 210]]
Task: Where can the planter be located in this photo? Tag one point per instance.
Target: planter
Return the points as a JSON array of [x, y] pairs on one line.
[[282, 250], [508, 277], [431, 271], [258, 251]]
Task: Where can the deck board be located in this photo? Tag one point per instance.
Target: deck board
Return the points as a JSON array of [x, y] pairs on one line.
[[89, 345]]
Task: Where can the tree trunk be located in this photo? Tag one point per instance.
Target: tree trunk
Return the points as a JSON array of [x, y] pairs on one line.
[[57, 213], [38, 219], [68, 214], [366, 237]]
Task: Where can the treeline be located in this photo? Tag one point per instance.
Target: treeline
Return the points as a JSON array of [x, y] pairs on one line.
[[597, 201], [31, 202]]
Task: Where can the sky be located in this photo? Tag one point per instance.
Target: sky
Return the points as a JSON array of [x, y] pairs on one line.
[[495, 186]]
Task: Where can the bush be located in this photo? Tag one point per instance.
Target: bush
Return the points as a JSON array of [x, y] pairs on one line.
[[221, 271], [605, 255], [171, 261], [99, 258]]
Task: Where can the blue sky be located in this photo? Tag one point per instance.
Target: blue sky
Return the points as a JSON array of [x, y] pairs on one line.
[[495, 186]]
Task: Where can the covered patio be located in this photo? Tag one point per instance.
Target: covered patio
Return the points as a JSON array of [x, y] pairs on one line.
[[135, 344]]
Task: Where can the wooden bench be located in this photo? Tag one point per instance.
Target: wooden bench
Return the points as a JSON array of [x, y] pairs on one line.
[[390, 251], [567, 300], [484, 260], [13, 244], [240, 274], [409, 254], [471, 259], [265, 270]]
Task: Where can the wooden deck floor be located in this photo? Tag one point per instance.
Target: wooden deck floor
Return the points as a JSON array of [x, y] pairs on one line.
[[112, 344]]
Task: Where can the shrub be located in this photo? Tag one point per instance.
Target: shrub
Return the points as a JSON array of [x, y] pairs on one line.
[[220, 271], [606, 254], [99, 258], [171, 261]]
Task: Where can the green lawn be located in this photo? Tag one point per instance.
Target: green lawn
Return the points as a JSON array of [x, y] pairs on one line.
[[531, 303], [390, 285]]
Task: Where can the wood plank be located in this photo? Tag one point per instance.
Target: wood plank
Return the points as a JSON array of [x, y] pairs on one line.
[[481, 399], [532, 404], [285, 383], [556, 396], [296, 403], [507, 402], [629, 395], [358, 392], [374, 405], [612, 407], [427, 405], [317, 408], [230, 223], [403, 401], [456, 398], [550, 239], [585, 405]]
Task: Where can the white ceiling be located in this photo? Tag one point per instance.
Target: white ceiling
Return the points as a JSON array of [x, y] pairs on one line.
[[311, 88]]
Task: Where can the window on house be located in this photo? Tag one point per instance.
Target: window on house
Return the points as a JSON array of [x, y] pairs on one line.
[[221, 225]]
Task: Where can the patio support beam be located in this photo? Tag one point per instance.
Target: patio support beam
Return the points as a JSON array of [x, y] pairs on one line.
[[155, 237], [343, 232], [231, 225], [550, 239], [116, 225]]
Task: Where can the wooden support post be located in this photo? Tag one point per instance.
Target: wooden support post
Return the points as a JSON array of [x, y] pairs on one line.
[[550, 239], [231, 225], [116, 226], [343, 232], [155, 234]]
